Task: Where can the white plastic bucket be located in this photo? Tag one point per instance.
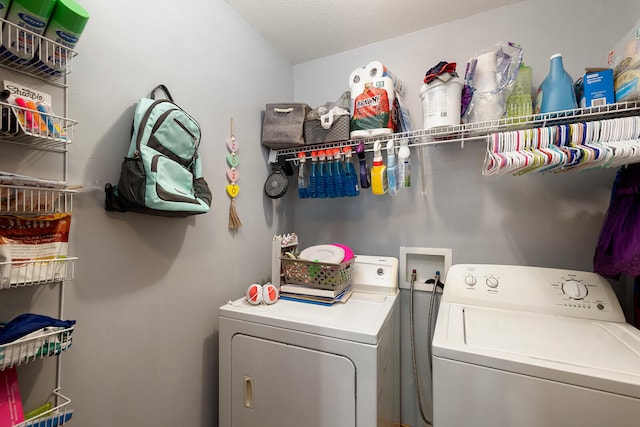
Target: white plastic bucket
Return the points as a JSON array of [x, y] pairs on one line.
[[441, 103]]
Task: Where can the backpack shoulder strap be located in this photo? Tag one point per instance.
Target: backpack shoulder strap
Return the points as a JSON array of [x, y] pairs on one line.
[[162, 87]]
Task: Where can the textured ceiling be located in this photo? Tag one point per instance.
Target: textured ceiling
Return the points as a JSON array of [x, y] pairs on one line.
[[304, 30]]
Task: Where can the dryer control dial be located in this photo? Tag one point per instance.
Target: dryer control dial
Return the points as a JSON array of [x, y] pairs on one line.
[[574, 289], [470, 280], [492, 282]]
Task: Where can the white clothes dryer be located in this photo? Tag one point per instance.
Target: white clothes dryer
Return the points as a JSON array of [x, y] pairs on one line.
[[533, 347], [295, 364]]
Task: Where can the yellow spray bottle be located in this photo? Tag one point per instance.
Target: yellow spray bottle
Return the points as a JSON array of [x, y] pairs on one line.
[[379, 171]]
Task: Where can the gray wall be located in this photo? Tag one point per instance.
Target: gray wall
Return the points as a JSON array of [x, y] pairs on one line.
[[147, 290], [548, 220]]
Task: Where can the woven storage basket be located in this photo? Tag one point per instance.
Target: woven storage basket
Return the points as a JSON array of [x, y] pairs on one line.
[[319, 275], [314, 133]]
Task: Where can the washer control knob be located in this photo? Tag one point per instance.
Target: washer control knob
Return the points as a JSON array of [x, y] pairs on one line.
[[492, 282], [470, 280], [574, 289]]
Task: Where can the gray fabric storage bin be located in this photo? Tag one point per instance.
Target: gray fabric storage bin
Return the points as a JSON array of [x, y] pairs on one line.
[[314, 133], [283, 125]]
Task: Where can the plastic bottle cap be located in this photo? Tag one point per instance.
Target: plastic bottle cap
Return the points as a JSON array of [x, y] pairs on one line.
[[70, 15], [377, 151], [555, 55], [404, 151], [390, 145], [302, 156]]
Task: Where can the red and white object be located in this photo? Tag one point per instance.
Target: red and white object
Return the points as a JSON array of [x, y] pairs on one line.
[[270, 294], [254, 294]]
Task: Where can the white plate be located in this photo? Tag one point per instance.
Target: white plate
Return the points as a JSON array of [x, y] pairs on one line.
[[323, 253]]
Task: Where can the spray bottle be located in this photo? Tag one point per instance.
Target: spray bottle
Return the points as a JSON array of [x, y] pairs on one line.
[[303, 187], [322, 175], [338, 172], [329, 178], [404, 164], [350, 177], [364, 170], [392, 169], [379, 184], [313, 176]]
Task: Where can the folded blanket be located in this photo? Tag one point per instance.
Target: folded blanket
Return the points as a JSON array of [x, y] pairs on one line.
[[27, 323]]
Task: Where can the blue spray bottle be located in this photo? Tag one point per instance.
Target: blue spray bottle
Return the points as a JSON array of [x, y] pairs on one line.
[[350, 181], [329, 177], [338, 172], [392, 169], [313, 176], [322, 175], [303, 186]]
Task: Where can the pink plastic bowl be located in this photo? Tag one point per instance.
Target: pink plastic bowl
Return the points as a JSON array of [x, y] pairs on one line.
[[348, 253]]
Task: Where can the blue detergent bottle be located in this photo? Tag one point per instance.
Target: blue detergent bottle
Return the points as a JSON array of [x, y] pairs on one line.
[[303, 186], [556, 91]]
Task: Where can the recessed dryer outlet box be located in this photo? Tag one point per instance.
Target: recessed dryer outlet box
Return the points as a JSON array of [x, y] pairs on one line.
[[426, 262]]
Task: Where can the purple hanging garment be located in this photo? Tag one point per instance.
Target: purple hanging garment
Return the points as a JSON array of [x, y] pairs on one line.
[[618, 249]]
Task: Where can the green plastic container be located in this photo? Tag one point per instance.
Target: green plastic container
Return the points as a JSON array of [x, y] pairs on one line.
[[520, 101]]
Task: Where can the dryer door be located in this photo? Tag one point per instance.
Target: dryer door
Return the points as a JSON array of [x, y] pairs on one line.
[[280, 385]]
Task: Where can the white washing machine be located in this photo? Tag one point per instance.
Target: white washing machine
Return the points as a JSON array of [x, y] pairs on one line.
[[294, 364], [531, 347]]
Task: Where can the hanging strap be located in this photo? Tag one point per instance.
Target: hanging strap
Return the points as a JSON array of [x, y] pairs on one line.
[[164, 89]]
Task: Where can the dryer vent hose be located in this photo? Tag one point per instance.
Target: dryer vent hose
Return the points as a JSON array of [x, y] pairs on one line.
[[414, 359]]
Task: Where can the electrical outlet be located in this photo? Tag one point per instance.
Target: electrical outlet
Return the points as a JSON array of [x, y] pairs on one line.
[[426, 262]]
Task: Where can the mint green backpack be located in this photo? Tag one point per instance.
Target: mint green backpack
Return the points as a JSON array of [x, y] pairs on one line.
[[162, 173]]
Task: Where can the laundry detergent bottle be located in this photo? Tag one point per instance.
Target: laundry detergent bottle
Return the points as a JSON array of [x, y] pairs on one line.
[[556, 91], [379, 184]]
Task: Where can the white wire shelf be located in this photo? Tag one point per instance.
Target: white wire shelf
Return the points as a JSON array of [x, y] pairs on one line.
[[59, 413], [17, 199], [32, 54], [30, 348], [476, 131], [43, 131], [36, 272]]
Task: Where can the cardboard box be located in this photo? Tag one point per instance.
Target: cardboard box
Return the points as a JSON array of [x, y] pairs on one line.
[[597, 88]]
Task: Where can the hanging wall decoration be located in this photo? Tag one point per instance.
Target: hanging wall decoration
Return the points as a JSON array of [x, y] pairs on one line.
[[233, 175]]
